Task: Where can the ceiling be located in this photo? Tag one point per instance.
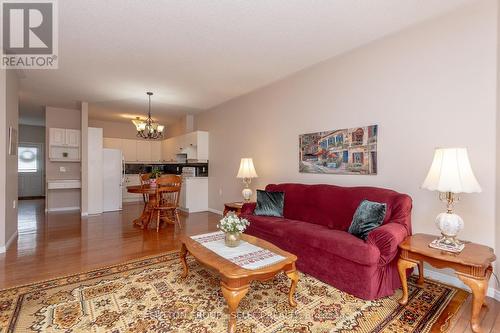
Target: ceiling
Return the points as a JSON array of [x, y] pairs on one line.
[[195, 54]]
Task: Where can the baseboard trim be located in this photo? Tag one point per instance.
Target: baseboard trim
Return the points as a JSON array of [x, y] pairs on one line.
[[215, 211], [62, 209], [3, 249], [454, 281]]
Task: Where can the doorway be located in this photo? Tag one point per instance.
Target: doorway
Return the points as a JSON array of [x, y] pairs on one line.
[[31, 171]]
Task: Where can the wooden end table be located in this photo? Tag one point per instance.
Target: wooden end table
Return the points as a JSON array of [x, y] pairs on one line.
[[235, 280], [472, 266], [233, 207]]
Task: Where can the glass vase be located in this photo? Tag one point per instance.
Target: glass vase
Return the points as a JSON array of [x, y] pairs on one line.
[[232, 239]]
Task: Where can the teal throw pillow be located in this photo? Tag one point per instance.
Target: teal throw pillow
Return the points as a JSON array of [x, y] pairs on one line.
[[269, 203], [368, 216]]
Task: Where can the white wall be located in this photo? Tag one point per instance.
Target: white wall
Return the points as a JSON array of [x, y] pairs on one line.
[[431, 85]]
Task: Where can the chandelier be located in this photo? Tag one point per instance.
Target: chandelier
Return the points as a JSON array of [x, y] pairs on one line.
[[148, 129]]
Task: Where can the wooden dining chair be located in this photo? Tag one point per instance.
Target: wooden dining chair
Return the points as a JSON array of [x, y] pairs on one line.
[[144, 178], [168, 189]]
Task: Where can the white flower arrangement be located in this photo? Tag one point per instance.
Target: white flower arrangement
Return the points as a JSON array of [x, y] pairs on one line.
[[232, 223]]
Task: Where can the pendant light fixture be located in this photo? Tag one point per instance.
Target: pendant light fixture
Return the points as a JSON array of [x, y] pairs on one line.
[[148, 129]]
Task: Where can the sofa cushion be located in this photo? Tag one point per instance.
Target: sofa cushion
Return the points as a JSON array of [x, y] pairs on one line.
[[334, 242], [299, 234], [269, 203], [269, 225], [368, 216], [333, 206]]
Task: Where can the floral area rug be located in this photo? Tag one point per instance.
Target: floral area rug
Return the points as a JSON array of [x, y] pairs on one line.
[[148, 295]]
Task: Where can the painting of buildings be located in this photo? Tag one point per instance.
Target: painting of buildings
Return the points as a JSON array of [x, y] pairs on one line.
[[351, 151]]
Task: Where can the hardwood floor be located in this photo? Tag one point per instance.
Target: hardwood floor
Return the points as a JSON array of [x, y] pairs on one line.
[[58, 244], [64, 243]]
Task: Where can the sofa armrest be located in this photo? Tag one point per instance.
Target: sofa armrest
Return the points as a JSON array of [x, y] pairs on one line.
[[387, 238], [248, 208]]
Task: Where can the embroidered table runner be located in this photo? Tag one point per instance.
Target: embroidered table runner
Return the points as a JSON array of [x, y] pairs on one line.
[[245, 255]]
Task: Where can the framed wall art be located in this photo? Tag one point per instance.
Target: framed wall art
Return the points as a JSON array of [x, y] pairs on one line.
[[351, 151]]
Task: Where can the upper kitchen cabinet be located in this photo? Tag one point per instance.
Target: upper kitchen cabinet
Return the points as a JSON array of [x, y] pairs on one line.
[[194, 145], [112, 143], [156, 151], [72, 138], [57, 136], [129, 150], [202, 145], [168, 150], [143, 151], [64, 145]]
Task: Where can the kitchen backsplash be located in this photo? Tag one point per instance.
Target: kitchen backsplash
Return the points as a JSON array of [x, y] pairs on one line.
[[172, 168]]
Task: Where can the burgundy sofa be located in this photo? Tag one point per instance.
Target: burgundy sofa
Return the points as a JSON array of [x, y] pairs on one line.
[[314, 227]]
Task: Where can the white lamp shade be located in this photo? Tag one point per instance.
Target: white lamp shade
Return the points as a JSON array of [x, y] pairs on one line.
[[247, 170], [451, 172]]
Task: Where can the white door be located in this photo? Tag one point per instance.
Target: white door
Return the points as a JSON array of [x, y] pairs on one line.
[[31, 170]]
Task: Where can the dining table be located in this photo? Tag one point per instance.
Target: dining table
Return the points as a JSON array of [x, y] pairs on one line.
[[147, 213], [150, 193]]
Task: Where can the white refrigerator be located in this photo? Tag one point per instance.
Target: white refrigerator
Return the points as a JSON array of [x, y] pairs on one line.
[[113, 173]]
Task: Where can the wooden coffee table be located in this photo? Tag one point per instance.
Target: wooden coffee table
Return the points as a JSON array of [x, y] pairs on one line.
[[472, 266], [234, 279]]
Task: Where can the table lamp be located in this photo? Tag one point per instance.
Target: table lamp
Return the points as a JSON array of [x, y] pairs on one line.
[[450, 174], [247, 172]]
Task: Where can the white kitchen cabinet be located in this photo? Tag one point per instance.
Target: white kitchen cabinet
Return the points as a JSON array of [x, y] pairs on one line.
[[165, 156], [143, 151], [129, 150], [64, 145], [64, 154], [194, 145], [169, 149], [57, 136], [202, 146], [156, 151], [112, 143], [64, 137], [178, 143], [131, 180], [194, 194], [72, 138]]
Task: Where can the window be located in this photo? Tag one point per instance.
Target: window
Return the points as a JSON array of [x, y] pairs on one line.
[[27, 159]]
